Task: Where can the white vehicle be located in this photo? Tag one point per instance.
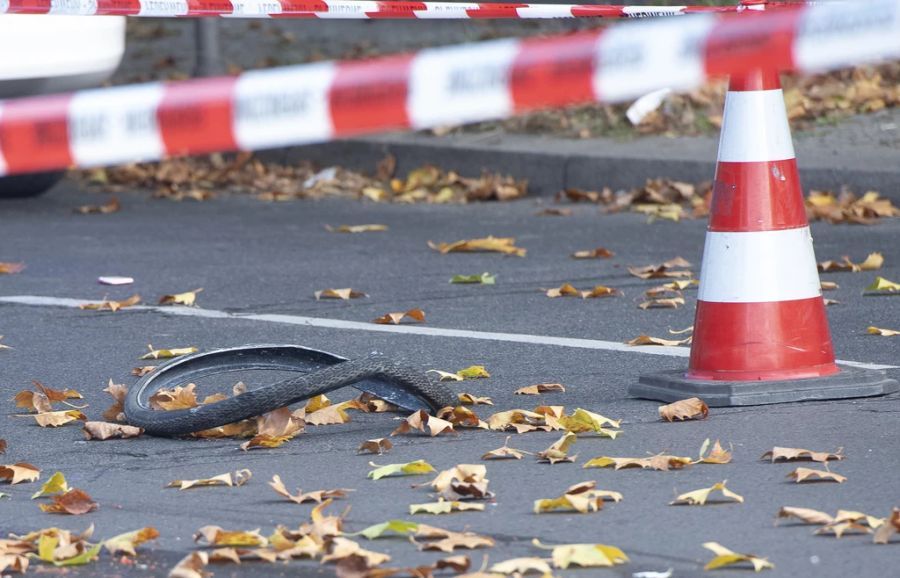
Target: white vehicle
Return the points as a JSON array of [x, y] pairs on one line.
[[42, 54]]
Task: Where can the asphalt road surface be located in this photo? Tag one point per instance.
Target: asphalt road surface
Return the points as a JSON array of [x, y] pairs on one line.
[[254, 258]]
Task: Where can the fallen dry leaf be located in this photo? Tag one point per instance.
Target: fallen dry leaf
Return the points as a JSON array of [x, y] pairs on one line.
[[58, 418], [662, 303], [143, 370], [470, 399], [11, 268], [598, 253], [300, 497], [716, 455], [504, 453], [415, 468], [872, 330], [461, 416], [804, 474], [216, 536], [725, 557], [445, 375], [554, 212], [126, 543], [649, 340], [191, 566], [504, 245], [522, 421], [98, 430], [19, 472], [375, 446], [662, 270], [584, 421], [454, 540], [413, 315], [2, 446], [2, 346], [522, 566], [444, 507], [567, 290], [701, 496], [838, 529], [341, 548], [334, 414], [74, 502], [111, 206], [238, 478], [187, 298], [275, 428], [882, 286], [829, 286], [356, 228], [118, 391], [778, 453], [55, 485], [168, 353], [848, 208], [339, 294], [582, 497], [464, 481], [890, 527], [805, 514], [473, 372], [660, 462], [112, 305], [559, 450], [180, 397], [685, 409], [483, 279], [540, 388], [873, 262], [584, 555]]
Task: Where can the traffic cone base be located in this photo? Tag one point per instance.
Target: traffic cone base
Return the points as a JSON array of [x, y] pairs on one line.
[[849, 382], [760, 332]]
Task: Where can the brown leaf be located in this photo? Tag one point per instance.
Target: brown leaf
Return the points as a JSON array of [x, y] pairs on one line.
[[414, 315], [56, 395], [143, 370], [118, 391], [98, 430], [188, 298], [275, 428], [177, 398], [717, 455], [803, 474], [662, 270], [598, 253], [685, 409], [18, 473], [420, 420], [554, 212], [873, 262], [470, 399], [58, 418], [375, 446], [778, 453], [890, 527], [112, 206], [11, 268], [649, 340], [540, 388], [74, 502], [461, 416], [318, 496], [487, 244], [112, 305], [2, 446], [34, 401], [339, 294]]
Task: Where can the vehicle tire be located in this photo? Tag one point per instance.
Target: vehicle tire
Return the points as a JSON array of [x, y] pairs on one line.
[[28, 185]]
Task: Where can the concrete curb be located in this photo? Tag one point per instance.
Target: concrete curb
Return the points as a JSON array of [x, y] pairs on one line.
[[552, 164]]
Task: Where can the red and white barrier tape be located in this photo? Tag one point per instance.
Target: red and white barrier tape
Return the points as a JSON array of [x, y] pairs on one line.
[[434, 87], [353, 9]]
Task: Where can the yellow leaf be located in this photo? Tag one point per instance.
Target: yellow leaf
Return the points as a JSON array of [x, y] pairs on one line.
[[725, 557], [414, 315], [415, 468], [18, 473], [187, 298], [125, 543], [583, 497], [803, 474], [559, 451], [699, 497], [356, 228], [55, 485], [168, 353], [112, 305], [339, 294], [401, 527], [238, 478], [883, 285], [660, 462], [487, 244], [685, 409], [473, 372], [883, 332], [582, 421], [540, 388], [444, 507], [584, 555], [779, 453], [58, 418], [873, 262], [483, 279]]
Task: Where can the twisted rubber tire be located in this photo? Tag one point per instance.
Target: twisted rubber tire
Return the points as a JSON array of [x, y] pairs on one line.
[[283, 393]]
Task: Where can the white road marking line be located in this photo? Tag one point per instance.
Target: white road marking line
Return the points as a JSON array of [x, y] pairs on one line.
[[35, 300]]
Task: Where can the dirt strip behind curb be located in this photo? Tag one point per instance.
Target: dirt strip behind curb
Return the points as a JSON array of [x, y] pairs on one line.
[[551, 164]]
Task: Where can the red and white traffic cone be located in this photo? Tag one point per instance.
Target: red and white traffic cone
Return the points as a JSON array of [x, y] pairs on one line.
[[760, 332]]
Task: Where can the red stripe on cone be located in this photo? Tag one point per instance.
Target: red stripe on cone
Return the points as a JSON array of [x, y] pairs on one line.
[[761, 341], [34, 134], [369, 96], [556, 76], [196, 117], [761, 196]]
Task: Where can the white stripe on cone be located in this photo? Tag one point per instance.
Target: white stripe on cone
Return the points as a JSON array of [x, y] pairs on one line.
[[758, 267], [755, 128]]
